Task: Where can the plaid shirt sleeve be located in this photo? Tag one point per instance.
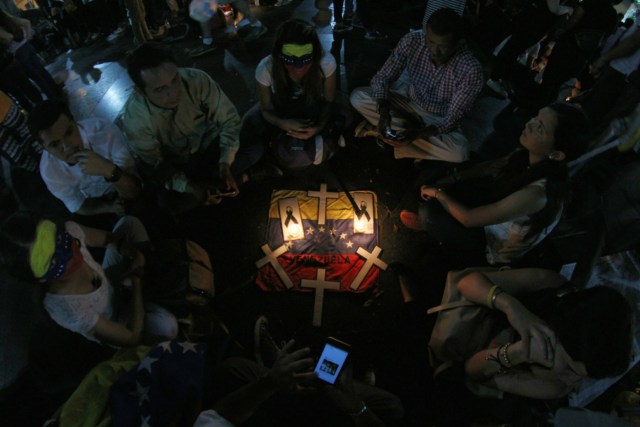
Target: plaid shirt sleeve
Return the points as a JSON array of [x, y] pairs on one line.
[[391, 69], [467, 89]]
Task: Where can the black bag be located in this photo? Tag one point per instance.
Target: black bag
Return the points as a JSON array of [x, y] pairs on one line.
[[178, 275]]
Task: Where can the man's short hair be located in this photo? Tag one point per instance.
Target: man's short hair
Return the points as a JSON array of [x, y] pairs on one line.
[[144, 57], [444, 22], [45, 114]]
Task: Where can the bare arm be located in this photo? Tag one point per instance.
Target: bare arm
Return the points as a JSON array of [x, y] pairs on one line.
[[127, 335], [526, 201], [91, 163], [625, 48], [496, 290], [99, 206]]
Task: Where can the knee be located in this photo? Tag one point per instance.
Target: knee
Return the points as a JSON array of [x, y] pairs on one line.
[[359, 97]]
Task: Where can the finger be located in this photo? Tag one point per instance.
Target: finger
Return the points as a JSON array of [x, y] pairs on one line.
[[301, 366], [305, 376]]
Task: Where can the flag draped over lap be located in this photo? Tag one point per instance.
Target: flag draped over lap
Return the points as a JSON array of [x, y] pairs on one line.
[[331, 246]]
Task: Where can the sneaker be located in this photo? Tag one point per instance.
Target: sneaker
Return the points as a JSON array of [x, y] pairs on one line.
[[203, 49], [265, 349], [411, 221], [264, 172], [375, 35], [341, 27]]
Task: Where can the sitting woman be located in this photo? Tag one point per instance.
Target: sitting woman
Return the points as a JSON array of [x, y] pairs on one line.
[[556, 336], [296, 85], [79, 293], [501, 209]]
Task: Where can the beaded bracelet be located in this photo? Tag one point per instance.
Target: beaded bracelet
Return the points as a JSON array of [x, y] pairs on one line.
[[505, 355]]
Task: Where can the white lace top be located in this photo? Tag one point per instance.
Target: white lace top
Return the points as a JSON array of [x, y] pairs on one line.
[[80, 313]]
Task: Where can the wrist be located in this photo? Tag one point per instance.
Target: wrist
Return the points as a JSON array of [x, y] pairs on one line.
[[359, 411], [114, 175]]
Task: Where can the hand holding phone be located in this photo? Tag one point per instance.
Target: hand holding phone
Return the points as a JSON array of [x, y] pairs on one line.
[[332, 359]]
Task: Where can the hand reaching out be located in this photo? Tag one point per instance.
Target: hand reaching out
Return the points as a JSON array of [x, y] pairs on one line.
[[292, 368]]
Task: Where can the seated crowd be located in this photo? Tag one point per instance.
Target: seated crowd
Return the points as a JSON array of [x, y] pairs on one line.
[[182, 145]]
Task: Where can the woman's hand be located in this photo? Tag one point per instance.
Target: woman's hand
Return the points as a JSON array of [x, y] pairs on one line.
[[427, 192], [301, 129], [537, 337]]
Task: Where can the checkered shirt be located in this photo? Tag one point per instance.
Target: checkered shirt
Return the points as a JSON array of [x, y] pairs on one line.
[[448, 90]]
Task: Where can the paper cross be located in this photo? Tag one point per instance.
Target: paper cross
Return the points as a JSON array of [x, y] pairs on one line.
[[272, 258], [372, 259], [323, 195], [320, 284]]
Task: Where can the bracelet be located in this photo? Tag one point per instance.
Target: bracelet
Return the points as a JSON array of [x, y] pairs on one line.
[[438, 190], [497, 292], [361, 411], [505, 355], [492, 291]]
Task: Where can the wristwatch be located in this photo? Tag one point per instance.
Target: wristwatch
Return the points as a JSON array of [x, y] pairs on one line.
[[116, 174]]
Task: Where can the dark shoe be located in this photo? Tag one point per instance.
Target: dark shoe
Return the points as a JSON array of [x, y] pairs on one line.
[[264, 172], [203, 49], [265, 349], [375, 35], [411, 221]]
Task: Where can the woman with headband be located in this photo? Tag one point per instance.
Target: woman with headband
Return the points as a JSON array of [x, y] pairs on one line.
[[296, 86], [80, 294]]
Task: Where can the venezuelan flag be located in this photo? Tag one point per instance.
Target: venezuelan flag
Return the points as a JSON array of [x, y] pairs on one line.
[[331, 245]]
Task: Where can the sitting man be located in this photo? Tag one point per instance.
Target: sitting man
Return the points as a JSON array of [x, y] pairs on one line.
[[444, 79], [85, 164], [180, 124]]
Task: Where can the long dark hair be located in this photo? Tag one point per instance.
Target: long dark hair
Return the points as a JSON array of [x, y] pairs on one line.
[[17, 233], [296, 31], [594, 325], [571, 136], [10, 26]]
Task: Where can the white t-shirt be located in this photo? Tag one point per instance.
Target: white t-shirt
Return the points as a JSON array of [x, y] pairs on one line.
[[508, 241], [264, 69], [211, 418], [628, 64], [80, 313], [68, 183]]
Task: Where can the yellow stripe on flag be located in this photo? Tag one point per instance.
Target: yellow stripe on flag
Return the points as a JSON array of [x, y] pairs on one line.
[[339, 208]]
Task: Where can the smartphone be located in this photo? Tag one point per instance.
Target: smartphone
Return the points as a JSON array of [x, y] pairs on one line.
[[333, 357], [393, 135]]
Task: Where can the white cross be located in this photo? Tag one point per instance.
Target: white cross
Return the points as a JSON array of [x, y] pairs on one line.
[[372, 258], [319, 285], [323, 195], [272, 258]]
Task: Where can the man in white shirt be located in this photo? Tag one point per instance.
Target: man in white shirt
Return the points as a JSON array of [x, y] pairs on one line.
[[85, 164]]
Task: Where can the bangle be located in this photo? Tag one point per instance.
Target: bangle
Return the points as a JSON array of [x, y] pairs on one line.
[[438, 191], [490, 295], [361, 411], [497, 292]]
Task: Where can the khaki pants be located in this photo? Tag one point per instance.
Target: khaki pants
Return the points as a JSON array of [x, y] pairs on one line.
[[449, 147]]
